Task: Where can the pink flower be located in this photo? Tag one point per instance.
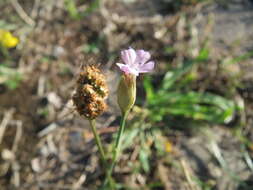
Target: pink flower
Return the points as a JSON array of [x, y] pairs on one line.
[[135, 62]]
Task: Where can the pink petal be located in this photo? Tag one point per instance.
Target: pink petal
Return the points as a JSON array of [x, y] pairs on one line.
[[128, 56], [127, 69], [144, 68], [142, 56]]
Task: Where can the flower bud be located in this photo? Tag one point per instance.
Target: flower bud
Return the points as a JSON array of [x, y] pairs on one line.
[[126, 92]]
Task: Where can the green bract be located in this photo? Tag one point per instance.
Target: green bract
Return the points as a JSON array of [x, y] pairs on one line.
[[126, 92]]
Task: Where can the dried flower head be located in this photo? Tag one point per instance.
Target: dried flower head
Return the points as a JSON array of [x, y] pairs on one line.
[[91, 92]]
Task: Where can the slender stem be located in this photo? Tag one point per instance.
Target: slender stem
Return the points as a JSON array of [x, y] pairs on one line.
[[98, 141], [102, 152], [118, 142], [120, 133]]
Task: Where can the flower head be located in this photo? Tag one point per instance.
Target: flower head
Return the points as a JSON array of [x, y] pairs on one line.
[[135, 62], [7, 39], [91, 92]]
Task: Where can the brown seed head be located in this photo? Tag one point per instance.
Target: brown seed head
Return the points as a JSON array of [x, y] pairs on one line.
[[91, 92]]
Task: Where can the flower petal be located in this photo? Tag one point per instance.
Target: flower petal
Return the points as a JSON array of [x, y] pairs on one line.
[[128, 56], [127, 69], [142, 56], [144, 68]]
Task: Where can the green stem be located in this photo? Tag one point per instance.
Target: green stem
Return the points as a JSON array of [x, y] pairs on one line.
[[98, 141], [118, 142], [120, 133], [101, 151]]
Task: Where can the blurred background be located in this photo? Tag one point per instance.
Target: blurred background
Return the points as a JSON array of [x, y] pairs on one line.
[[191, 128]]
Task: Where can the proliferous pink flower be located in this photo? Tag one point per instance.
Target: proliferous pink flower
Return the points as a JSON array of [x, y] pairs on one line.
[[135, 62]]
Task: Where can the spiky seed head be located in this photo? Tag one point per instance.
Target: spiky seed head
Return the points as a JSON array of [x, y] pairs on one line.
[[91, 92]]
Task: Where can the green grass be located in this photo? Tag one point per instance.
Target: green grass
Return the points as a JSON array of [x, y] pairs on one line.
[[74, 13], [173, 98], [9, 76]]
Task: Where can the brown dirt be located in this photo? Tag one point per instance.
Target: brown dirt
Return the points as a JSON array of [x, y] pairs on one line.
[[50, 59]]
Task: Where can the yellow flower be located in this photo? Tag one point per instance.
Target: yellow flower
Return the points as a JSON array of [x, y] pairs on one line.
[[168, 146], [7, 39]]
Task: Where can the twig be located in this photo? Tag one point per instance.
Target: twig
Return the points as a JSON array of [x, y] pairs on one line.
[[79, 182], [214, 148], [17, 136], [186, 170], [164, 176], [34, 12], [15, 165], [51, 145], [41, 85], [16, 174], [48, 129], [9, 155], [5, 121], [22, 13], [248, 160]]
